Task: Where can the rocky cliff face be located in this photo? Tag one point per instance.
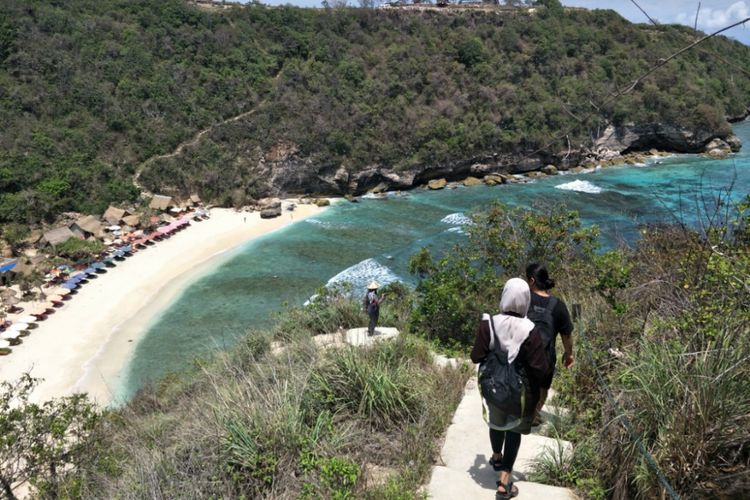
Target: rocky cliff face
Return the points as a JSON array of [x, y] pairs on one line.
[[617, 140], [285, 171]]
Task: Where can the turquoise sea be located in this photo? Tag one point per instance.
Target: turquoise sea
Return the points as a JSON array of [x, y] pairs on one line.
[[373, 239]]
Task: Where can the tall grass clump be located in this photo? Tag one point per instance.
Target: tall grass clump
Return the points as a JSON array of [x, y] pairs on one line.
[[385, 385], [666, 327]]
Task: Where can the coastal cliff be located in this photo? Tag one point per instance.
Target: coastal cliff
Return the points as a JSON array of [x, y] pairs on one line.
[[284, 170]]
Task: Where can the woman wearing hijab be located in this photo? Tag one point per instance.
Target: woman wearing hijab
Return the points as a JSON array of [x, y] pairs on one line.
[[521, 340]]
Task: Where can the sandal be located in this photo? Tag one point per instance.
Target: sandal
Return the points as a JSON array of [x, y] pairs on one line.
[[496, 464], [504, 495]]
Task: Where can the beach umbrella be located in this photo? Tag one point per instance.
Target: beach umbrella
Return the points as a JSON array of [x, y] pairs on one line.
[[98, 265], [55, 298], [69, 285], [27, 319], [4, 344], [43, 308], [61, 291], [10, 335], [89, 270], [17, 327]]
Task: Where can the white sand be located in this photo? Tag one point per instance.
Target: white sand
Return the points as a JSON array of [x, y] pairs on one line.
[[85, 344]]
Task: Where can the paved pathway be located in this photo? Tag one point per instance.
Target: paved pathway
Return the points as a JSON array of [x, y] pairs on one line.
[[464, 472]]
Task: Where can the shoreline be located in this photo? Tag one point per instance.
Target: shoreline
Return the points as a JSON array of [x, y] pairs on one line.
[[86, 345]]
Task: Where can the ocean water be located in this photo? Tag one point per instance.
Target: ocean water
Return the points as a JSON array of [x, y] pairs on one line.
[[374, 239]]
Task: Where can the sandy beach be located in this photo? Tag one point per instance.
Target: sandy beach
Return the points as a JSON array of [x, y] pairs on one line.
[[84, 345]]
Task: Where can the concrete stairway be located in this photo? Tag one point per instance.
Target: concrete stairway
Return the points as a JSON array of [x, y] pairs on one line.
[[465, 472]]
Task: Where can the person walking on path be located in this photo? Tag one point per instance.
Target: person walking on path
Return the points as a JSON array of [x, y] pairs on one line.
[[522, 341], [372, 305], [551, 314]]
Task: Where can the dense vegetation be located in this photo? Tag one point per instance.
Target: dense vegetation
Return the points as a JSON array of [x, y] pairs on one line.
[[665, 325], [89, 90]]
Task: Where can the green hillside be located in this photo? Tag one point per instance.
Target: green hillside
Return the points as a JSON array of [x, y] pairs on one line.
[[89, 90]]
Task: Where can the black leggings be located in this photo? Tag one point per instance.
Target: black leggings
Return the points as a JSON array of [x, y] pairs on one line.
[[512, 442]]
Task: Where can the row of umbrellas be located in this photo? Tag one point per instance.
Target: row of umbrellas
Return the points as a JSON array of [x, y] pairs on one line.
[[38, 312], [16, 329], [63, 291]]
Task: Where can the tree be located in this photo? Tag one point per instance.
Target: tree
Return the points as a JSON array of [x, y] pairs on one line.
[[76, 249], [15, 234], [43, 443]]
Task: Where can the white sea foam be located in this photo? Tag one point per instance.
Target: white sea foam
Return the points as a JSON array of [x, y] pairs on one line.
[[580, 186], [374, 196], [311, 299], [455, 229], [318, 222], [361, 274], [457, 219]]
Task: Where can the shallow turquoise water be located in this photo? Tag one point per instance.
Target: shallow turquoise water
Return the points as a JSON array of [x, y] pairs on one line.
[[357, 242]]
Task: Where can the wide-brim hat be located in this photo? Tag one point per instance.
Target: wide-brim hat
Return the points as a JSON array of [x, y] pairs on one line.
[[373, 286]]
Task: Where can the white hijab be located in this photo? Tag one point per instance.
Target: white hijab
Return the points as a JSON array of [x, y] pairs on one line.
[[510, 330]]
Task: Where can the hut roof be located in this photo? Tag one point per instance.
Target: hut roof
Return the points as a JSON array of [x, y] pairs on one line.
[[90, 224], [113, 215], [161, 202], [132, 220], [57, 236], [195, 198]]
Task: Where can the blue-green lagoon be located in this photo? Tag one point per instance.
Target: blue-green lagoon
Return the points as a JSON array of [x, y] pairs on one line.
[[373, 239]]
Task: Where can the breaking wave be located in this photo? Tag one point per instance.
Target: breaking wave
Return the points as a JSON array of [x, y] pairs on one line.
[[581, 187], [361, 274], [457, 219]]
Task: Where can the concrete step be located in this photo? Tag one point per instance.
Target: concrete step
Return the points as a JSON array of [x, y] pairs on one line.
[[355, 337], [468, 439], [464, 471], [450, 484]]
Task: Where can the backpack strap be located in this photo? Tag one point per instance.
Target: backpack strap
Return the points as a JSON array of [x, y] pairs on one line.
[[488, 318]]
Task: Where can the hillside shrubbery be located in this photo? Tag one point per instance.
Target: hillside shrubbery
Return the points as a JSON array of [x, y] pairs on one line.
[[89, 90], [254, 422], [665, 323]]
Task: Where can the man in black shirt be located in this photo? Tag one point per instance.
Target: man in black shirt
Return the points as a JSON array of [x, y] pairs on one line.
[[552, 313]]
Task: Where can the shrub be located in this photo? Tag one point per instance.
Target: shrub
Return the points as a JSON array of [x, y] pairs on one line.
[[44, 444], [453, 292]]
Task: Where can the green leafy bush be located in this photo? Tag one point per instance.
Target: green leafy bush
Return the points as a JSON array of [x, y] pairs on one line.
[[454, 291]]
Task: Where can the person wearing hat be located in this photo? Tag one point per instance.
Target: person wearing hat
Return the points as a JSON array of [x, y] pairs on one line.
[[372, 305]]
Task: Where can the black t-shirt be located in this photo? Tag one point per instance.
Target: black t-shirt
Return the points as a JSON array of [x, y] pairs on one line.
[[560, 316]]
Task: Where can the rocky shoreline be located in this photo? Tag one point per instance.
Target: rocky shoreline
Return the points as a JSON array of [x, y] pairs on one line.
[[289, 174]]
